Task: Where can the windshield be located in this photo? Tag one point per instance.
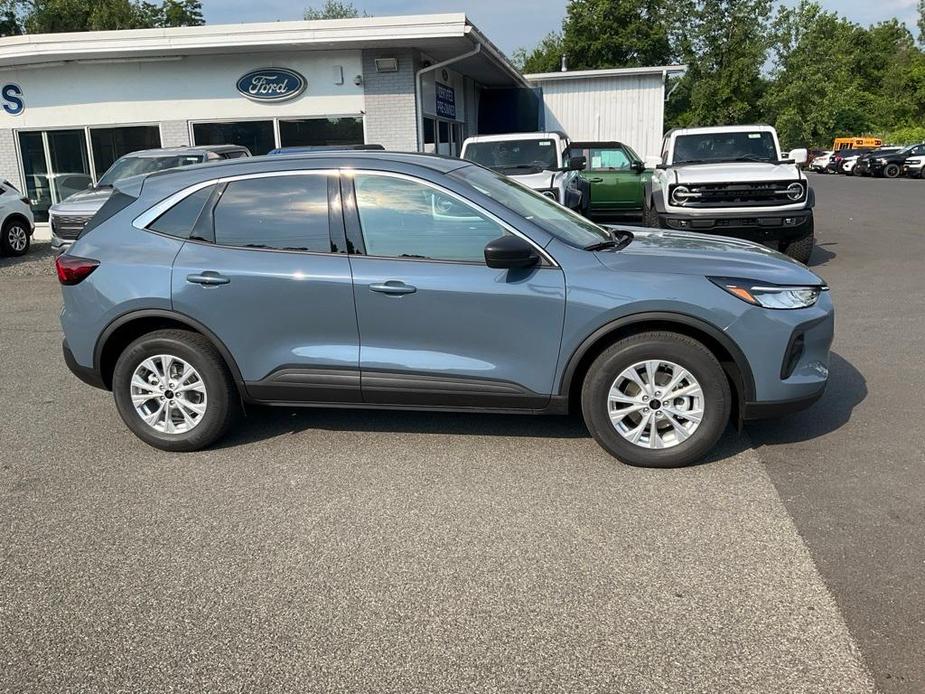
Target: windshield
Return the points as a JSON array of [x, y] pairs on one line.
[[133, 166], [510, 156], [705, 148], [546, 214]]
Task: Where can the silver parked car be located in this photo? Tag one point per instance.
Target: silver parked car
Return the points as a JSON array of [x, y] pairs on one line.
[[70, 216]]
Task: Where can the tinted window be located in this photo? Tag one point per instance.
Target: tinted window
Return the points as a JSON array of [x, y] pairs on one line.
[[257, 136], [180, 219], [405, 219], [135, 166], [282, 212]]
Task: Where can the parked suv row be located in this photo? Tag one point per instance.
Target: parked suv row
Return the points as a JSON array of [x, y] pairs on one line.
[[377, 279]]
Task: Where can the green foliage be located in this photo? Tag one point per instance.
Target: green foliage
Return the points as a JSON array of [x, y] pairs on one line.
[[334, 9], [52, 16], [910, 135], [813, 74]]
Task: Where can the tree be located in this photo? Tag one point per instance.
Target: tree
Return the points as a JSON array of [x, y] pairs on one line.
[[546, 57], [604, 33], [172, 13], [616, 33], [921, 22], [334, 9], [51, 16], [725, 45]]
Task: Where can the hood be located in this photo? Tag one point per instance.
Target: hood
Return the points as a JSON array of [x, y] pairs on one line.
[[735, 172], [84, 202], [684, 253], [537, 181]]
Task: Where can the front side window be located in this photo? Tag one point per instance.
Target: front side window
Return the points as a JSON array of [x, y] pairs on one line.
[[515, 156], [608, 159], [400, 218], [550, 216], [278, 212], [704, 148]]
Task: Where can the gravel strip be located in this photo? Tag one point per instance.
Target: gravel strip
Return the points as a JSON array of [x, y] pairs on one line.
[[37, 262]]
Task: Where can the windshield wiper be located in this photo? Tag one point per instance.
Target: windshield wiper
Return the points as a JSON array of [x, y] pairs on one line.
[[619, 240], [600, 245]]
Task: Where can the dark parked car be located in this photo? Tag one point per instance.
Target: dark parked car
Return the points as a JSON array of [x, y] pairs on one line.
[[891, 165], [862, 168], [379, 279], [837, 161]]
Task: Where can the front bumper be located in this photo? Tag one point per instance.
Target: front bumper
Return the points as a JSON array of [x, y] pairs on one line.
[[59, 244], [762, 227], [913, 171], [779, 408]]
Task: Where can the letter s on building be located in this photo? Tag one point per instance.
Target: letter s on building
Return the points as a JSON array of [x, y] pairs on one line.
[[11, 95]]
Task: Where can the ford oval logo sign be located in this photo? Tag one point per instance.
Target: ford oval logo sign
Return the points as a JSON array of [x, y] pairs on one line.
[[272, 84]]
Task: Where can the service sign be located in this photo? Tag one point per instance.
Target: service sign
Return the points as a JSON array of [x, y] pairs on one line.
[[445, 100], [272, 84]]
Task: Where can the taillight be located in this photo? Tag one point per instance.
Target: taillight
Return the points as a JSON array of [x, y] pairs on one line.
[[72, 269]]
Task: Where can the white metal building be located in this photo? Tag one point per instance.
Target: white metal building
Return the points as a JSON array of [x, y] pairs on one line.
[[627, 104]]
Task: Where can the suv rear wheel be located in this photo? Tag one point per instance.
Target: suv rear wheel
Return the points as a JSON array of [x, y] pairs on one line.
[[14, 238], [173, 390], [658, 399]]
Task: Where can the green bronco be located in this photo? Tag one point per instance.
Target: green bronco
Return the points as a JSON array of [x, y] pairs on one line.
[[617, 176]]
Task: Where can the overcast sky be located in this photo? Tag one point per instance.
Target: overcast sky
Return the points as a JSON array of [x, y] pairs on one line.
[[508, 23]]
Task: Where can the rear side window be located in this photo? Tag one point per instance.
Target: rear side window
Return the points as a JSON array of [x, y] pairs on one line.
[[117, 202], [279, 212], [180, 219]]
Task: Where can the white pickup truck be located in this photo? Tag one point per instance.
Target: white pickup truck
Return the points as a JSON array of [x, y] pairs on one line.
[[539, 161], [732, 181]]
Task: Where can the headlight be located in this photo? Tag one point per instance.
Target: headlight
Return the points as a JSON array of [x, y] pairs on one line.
[[795, 191], [880, 161], [550, 193], [681, 194], [770, 295]]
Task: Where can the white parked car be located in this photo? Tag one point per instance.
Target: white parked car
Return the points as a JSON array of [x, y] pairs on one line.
[[537, 160], [848, 164], [18, 222], [913, 167], [821, 162]]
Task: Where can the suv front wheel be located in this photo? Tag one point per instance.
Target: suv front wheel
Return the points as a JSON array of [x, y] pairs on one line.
[[173, 390], [14, 238], [657, 399]]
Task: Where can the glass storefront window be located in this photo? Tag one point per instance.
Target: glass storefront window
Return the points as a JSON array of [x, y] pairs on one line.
[[256, 135], [321, 131], [111, 143], [56, 164]]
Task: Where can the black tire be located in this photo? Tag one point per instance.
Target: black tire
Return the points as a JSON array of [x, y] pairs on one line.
[[801, 249], [686, 353], [15, 238], [650, 217], [222, 398], [891, 170]]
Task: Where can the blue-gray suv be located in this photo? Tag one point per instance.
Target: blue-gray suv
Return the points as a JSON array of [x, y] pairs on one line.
[[376, 279]]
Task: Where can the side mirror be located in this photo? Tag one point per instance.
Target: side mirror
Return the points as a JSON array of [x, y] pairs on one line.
[[510, 252], [799, 156], [638, 166], [653, 161], [577, 163]]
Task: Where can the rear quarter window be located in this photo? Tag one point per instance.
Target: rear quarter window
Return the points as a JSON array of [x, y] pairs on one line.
[[180, 219]]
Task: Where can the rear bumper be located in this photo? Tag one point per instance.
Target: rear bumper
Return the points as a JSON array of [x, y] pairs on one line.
[[86, 374], [762, 227]]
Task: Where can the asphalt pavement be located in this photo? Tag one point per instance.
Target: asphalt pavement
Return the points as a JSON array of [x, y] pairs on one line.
[[372, 551]]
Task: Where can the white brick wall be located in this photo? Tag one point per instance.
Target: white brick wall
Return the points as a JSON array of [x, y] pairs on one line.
[[391, 117], [9, 164], [174, 133]]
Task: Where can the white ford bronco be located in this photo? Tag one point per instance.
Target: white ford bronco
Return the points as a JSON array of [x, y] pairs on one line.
[[537, 160], [733, 181]]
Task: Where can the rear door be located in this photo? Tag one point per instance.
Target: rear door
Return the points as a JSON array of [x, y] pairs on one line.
[[438, 326], [264, 274]]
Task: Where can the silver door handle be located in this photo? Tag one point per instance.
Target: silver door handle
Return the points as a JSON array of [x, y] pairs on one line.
[[393, 287], [207, 279]]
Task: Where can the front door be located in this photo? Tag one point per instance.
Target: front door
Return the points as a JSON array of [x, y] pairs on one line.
[[615, 185], [437, 325], [266, 278]]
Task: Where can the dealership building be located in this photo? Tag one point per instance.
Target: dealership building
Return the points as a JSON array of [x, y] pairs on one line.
[[73, 103]]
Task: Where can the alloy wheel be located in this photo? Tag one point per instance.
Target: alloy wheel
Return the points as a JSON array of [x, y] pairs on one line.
[[168, 394], [17, 238], [655, 404]]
